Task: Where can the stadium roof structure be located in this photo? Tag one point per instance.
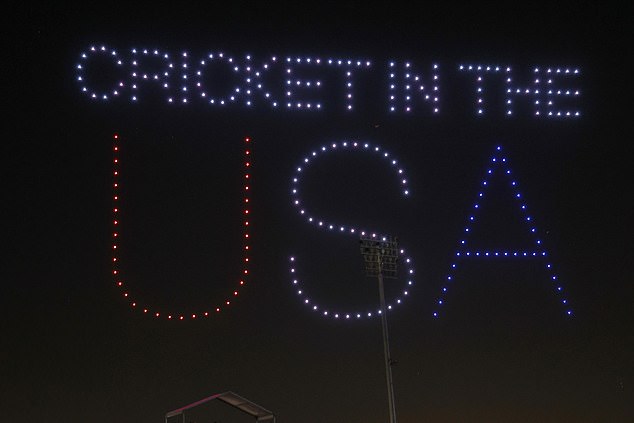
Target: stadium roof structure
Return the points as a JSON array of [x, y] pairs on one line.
[[259, 413]]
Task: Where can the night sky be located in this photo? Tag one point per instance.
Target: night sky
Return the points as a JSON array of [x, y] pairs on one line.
[[503, 348]]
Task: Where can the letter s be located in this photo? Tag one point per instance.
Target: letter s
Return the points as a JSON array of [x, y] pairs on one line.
[[351, 147]]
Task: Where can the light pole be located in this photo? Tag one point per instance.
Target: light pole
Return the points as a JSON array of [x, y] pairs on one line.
[[380, 255]]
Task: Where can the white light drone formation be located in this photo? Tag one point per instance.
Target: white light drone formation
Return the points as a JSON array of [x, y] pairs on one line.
[[250, 78], [499, 164], [311, 303], [140, 76], [185, 79], [294, 84], [139, 304], [80, 73], [542, 90], [412, 83]]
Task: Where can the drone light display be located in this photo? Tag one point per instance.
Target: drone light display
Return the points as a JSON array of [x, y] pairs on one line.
[[499, 165], [127, 289], [302, 82], [351, 147], [184, 79]]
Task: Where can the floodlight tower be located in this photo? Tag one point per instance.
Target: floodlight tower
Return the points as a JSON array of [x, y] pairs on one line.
[[380, 255]]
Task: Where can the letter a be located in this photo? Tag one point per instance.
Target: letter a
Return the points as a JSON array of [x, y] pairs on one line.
[[499, 166]]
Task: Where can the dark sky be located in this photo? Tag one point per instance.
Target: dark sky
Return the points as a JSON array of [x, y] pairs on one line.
[[503, 349]]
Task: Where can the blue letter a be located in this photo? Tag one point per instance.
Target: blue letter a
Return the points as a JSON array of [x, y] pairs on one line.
[[466, 248]]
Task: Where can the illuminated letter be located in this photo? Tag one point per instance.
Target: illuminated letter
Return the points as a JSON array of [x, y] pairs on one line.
[[114, 89], [546, 79], [293, 84], [261, 86], [139, 303], [345, 147], [405, 87], [143, 72], [234, 93], [499, 166], [480, 72]]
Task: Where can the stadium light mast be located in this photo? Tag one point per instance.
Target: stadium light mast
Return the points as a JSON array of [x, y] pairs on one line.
[[380, 255]]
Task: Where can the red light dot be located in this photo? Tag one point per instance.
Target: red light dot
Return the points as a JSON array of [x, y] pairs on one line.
[[218, 309], [235, 292], [116, 136], [228, 302], [157, 314], [181, 317], [193, 316]]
